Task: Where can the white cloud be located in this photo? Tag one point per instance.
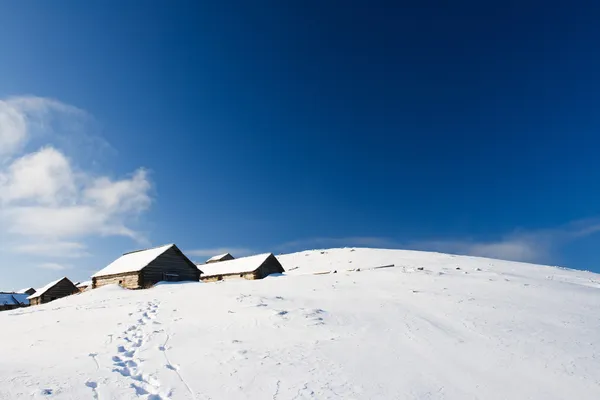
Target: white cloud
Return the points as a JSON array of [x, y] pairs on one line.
[[234, 251], [513, 249], [50, 203], [53, 266], [537, 246], [121, 196], [42, 177], [53, 249], [13, 129]]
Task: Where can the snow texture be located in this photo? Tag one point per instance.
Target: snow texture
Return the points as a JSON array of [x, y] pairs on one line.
[[84, 284], [133, 262], [42, 290], [236, 266], [435, 326]]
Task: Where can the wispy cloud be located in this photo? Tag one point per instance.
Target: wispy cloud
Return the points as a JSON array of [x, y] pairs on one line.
[[53, 266], [235, 251], [521, 245], [50, 201], [351, 241], [52, 249]]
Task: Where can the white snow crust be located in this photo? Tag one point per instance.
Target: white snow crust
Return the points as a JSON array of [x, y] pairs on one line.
[[434, 326]]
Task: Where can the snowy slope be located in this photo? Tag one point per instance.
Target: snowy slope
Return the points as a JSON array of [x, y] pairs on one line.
[[489, 330]]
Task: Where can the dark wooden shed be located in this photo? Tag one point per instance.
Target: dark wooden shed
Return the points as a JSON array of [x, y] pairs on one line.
[[52, 291], [144, 268]]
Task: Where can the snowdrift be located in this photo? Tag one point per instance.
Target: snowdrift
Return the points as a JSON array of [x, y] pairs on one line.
[[434, 326]]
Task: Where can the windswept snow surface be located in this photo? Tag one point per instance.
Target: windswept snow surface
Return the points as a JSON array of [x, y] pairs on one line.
[[489, 330]]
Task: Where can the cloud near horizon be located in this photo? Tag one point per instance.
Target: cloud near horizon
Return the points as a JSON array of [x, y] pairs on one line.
[[535, 246], [210, 252], [50, 202]]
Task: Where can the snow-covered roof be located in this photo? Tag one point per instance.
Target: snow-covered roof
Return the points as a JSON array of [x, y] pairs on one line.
[[133, 262], [237, 266], [42, 290], [24, 290], [11, 299], [218, 257], [84, 284]]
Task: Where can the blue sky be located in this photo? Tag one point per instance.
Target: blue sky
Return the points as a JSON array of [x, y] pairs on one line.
[[280, 126]]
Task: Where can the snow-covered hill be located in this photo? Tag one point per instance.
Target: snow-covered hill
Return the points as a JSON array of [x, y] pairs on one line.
[[488, 330]]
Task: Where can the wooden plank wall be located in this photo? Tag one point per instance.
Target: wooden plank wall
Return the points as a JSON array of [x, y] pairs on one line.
[[128, 280], [270, 266], [171, 261], [63, 288]]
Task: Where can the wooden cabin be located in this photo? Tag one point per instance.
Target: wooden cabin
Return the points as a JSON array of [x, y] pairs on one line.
[[144, 268], [10, 301], [219, 258], [27, 291], [253, 267], [52, 291]]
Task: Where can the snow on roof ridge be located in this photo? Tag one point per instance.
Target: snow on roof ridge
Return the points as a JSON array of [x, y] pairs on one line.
[[218, 256], [133, 261], [235, 266], [149, 248], [44, 289], [22, 291]]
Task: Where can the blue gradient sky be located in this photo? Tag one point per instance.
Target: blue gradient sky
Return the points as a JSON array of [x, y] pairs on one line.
[[468, 128]]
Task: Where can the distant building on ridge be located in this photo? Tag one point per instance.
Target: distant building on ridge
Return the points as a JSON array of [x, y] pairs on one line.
[[219, 258], [10, 301], [28, 291]]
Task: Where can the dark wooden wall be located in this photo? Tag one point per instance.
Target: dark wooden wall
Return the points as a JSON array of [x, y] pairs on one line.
[[63, 288], [270, 266], [172, 261]]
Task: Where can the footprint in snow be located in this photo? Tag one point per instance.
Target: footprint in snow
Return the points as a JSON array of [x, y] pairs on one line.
[[172, 367], [140, 391], [91, 384], [47, 392]]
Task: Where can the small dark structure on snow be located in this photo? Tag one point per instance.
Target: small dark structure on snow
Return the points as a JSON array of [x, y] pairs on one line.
[[52, 291], [10, 301], [253, 267], [144, 268], [27, 291], [219, 258], [83, 286]]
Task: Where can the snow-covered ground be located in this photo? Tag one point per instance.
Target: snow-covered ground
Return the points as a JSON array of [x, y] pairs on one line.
[[489, 330]]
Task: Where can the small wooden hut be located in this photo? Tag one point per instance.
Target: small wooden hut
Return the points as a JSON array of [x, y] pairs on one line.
[[28, 291], [52, 291], [219, 258], [144, 268], [10, 301], [253, 267]]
